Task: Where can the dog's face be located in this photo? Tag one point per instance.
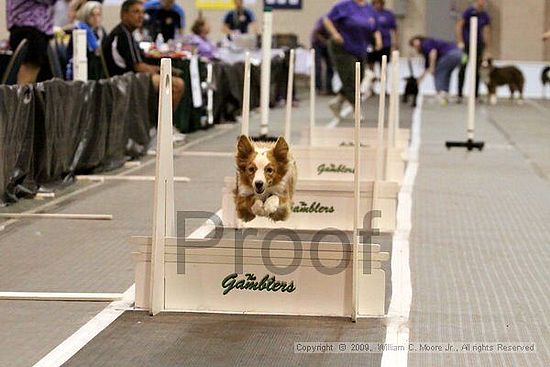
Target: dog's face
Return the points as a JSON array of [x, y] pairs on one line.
[[485, 70], [261, 165]]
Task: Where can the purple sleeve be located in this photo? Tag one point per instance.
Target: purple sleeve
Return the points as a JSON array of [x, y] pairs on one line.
[[336, 13], [467, 14]]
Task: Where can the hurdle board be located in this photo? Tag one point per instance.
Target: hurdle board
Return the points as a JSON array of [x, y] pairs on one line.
[[336, 163], [343, 136], [207, 273], [320, 204]]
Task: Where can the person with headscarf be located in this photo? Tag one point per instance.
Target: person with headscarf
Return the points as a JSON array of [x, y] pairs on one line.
[[89, 19]]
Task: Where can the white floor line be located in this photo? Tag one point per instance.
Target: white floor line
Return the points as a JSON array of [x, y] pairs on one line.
[[64, 351], [397, 331]]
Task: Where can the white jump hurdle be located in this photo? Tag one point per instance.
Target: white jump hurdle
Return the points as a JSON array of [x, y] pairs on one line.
[[352, 283], [332, 162]]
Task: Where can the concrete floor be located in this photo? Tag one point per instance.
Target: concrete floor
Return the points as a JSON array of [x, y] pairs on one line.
[[479, 258]]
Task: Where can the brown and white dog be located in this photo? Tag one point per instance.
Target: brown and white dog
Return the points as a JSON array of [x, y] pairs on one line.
[[266, 177], [497, 76]]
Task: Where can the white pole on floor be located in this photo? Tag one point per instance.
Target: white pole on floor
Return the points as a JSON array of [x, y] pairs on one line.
[[210, 94], [312, 94], [266, 70], [289, 93], [57, 216], [246, 96], [381, 118], [163, 203], [80, 56], [470, 144], [357, 195], [472, 71], [395, 90]]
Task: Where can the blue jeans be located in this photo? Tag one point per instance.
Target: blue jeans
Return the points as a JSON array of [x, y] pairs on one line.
[[444, 68]]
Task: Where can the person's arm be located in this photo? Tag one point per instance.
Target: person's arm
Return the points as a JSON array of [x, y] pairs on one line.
[[431, 68], [459, 30], [394, 39], [378, 44], [334, 34], [487, 40], [546, 36], [142, 67]]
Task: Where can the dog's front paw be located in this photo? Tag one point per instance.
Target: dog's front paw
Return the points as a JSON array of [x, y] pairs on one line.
[[271, 204], [258, 208]]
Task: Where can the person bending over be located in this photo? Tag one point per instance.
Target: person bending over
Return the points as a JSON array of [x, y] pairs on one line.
[[352, 26], [441, 58], [122, 52]]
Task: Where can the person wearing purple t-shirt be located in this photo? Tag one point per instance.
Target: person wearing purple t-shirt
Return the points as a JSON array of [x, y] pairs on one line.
[[319, 42], [476, 9], [352, 26], [387, 26], [441, 58], [205, 48], [31, 20]]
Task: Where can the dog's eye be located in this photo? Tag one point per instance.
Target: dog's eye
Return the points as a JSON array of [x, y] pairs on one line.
[[251, 169], [269, 170]]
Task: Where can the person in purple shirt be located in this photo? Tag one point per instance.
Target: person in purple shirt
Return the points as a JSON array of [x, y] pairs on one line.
[[205, 48], [477, 9], [319, 42], [441, 58], [352, 26], [31, 20], [387, 26]]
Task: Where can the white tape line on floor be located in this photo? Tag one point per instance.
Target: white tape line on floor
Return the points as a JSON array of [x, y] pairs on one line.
[[397, 331]]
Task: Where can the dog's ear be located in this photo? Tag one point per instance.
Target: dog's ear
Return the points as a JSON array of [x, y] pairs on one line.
[[244, 147], [280, 150]]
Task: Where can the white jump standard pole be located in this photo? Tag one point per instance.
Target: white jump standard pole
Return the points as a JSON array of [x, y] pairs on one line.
[[245, 123], [289, 94], [312, 94], [470, 144], [267, 32], [164, 224], [357, 195]]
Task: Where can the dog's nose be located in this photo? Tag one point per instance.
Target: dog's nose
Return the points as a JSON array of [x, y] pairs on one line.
[[259, 186]]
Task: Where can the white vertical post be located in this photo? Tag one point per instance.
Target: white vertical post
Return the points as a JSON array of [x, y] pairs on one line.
[[357, 195], [472, 71], [396, 56], [210, 94], [80, 56], [391, 110], [163, 205], [289, 94], [267, 32], [312, 94], [246, 96], [381, 118], [395, 91]]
